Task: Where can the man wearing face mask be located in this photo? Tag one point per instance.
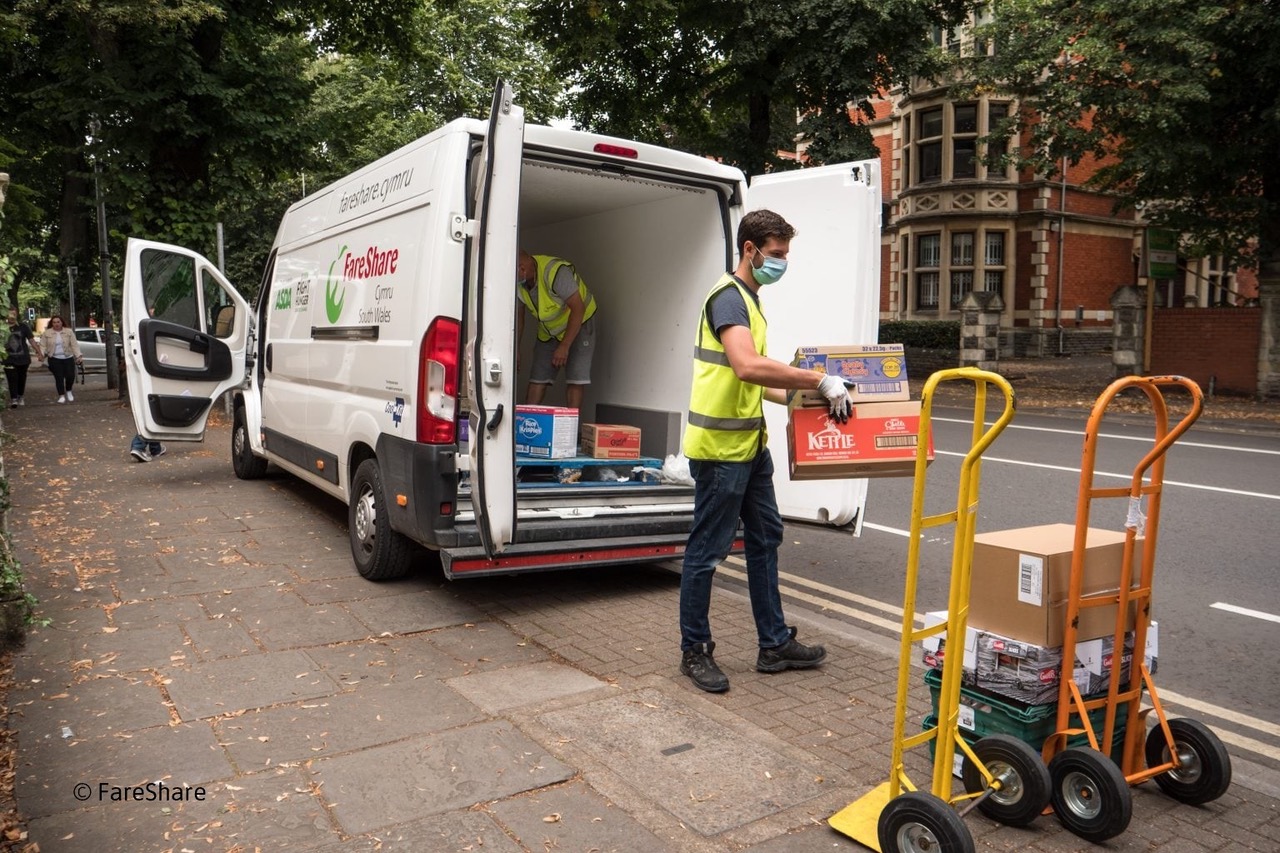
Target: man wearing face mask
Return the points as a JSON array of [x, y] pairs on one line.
[[559, 300], [728, 457]]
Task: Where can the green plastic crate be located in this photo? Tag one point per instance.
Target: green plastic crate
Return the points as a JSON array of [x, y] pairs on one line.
[[1032, 724]]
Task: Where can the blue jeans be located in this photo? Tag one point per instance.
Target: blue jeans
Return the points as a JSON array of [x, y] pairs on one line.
[[140, 443], [725, 492]]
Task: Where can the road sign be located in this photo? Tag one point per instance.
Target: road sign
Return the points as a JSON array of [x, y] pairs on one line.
[[1162, 253]]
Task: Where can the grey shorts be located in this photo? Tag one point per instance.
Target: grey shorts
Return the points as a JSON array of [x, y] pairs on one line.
[[577, 371]]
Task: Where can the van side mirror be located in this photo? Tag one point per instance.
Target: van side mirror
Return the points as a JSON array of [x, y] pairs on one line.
[[224, 321]]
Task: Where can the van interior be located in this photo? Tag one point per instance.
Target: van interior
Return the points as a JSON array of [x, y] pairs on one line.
[[649, 249]]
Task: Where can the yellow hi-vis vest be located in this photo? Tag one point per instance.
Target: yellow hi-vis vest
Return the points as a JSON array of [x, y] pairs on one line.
[[726, 415], [553, 315]]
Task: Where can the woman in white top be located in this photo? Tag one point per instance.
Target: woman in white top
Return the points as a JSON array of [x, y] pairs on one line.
[[61, 348]]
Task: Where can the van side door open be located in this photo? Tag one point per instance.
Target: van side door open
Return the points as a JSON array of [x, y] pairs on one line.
[[186, 333], [491, 300]]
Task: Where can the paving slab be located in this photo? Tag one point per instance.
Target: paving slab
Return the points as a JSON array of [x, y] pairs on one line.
[[133, 614], [278, 619], [487, 645], [136, 649], [464, 831], [252, 681], [352, 587], [728, 778], [386, 659], [501, 690], [573, 816], [374, 788], [92, 707], [212, 639], [413, 612], [50, 768], [371, 715], [264, 811]]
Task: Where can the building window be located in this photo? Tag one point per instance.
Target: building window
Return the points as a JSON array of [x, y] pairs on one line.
[[1221, 281], [961, 266], [993, 261], [999, 141], [929, 146], [964, 141], [928, 261]]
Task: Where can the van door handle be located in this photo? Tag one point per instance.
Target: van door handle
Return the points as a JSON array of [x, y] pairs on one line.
[[268, 357], [495, 420], [492, 371]]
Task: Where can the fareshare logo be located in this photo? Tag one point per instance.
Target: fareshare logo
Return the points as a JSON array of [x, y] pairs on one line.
[[333, 296]]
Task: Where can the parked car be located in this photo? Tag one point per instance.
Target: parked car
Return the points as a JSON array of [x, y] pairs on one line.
[[93, 347]]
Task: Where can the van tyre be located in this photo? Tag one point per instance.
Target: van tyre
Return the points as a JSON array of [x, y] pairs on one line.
[[379, 552], [246, 465]]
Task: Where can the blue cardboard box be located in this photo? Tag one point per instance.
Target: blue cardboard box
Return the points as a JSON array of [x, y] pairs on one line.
[[546, 432]]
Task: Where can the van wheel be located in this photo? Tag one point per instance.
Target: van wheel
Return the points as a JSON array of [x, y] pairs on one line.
[[246, 465], [379, 552]]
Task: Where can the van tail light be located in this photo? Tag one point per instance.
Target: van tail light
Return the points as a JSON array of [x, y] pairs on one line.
[[437, 409]]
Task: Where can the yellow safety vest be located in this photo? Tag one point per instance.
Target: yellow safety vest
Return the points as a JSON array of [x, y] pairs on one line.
[[553, 315], [726, 415]]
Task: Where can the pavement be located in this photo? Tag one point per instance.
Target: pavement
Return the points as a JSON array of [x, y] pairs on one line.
[[210, 637]]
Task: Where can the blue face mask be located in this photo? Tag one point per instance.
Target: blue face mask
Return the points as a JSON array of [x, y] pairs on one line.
[[770, 271]]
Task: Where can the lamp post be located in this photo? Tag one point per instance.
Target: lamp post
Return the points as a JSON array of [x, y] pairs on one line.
[[104, 264]]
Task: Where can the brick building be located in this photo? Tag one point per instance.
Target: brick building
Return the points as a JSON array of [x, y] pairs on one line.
[[1054, 250]]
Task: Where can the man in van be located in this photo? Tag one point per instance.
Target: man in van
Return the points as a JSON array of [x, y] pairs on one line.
[[563, 307], [728, 457]]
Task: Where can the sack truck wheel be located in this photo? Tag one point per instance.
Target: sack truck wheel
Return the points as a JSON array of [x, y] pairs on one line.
[[1205, 773], [243, 462], [379, 552], [917, 822], [1090, 795], [1024, 779]]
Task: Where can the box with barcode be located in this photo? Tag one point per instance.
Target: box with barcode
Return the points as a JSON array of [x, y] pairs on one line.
[[1021, 579], [878, 440], [876, 373]]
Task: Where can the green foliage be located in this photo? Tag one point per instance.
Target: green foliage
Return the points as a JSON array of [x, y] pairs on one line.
[[222, 111], [1179, 99], [922, 334], [728, 78]]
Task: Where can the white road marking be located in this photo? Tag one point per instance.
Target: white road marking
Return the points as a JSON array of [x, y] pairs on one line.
[[1244, 611], [1148, 439], [1129, 476]]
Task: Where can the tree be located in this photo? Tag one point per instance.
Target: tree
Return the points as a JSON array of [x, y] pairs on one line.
[[739, 79], [1179, 100], [217, 110]]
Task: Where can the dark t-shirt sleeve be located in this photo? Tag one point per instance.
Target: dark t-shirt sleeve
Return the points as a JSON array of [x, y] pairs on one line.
[[727, 309]]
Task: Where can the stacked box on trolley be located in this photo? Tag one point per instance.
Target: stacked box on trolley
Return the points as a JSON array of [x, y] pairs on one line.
[[1026, 672], [983, 713]]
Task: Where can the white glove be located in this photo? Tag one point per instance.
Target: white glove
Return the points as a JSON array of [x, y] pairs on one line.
[[836, 391]]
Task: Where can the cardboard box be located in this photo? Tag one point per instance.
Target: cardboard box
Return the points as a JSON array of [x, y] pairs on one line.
[[1029, 673], [546, 432], [659, 430], [610, 441], [878, 372], [1021, 577], [879, 440]]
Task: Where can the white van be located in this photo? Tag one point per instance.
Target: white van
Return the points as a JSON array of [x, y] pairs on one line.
[[384, 335]]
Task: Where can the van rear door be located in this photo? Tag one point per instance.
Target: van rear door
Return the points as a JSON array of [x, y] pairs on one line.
[[186, 331], [831, 295], [491, 303]]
